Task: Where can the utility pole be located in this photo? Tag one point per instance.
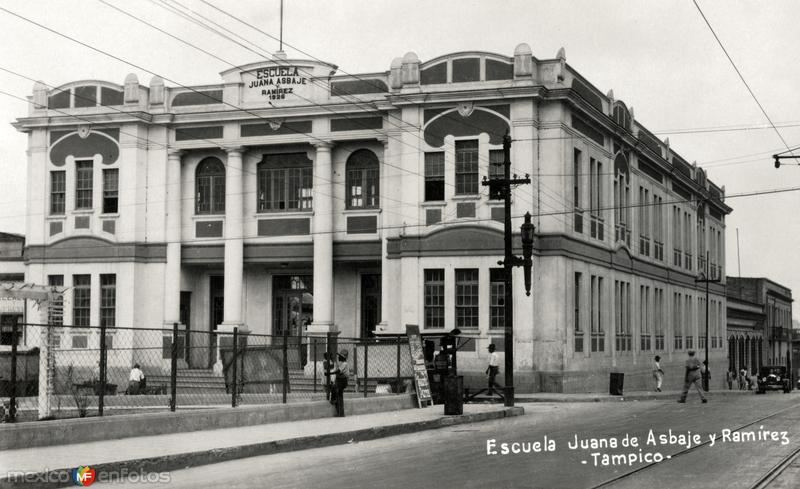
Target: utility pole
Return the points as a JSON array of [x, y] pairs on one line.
[[704, 278], [502, 186]]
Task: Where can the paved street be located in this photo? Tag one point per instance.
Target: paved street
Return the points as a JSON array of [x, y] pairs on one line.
[[457, 457]]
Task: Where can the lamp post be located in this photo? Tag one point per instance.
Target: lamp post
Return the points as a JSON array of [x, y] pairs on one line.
[[704, 278], [502, 186]]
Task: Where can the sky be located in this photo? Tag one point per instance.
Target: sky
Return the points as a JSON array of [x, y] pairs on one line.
[[659, 57]]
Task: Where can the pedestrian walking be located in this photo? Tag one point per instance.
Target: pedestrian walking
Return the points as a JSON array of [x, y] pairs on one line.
[[692, 377], [342, 377], [135, 380], [658, 374], [730, 377], [742, 379], [493, 369]]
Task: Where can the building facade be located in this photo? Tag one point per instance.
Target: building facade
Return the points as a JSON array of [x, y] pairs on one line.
[[288, 198], [759, 323], [12, 273]]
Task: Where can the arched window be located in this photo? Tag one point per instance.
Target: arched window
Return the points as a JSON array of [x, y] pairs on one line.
[[210, 187], [362, 180]]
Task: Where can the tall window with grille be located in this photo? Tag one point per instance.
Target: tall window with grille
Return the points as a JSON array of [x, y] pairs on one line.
[[110, 191], [644, 320], [658, 317], [701, 333], [687, 241], [434, 176], [658, 227], [467, 298], [596, 199], [497, 299], [284, 183], [622, 318], [677, 321], [677, 253], [434, 298], [58, 192], [644, 221], [362, 180], [687, 321], [84, 175], [108, 300], [467, 167], [496, 170], [576, 316], [598, 333], [210, 187], [81, 307], [577, 159]]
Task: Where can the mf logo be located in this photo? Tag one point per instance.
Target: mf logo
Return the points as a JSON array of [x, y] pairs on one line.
[[83, 475]]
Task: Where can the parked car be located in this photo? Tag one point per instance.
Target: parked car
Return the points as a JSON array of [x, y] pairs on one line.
[[773, 378]]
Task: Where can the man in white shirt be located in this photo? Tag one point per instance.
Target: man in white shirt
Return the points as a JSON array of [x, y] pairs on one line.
[[135, 379], [493, 369]]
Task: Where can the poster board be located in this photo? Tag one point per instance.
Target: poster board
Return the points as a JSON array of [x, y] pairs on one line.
[[418, 363]]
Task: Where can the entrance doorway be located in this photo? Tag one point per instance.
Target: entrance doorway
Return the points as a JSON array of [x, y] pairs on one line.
[[217, 309], [370, 304], [292, 310], [184, 312]]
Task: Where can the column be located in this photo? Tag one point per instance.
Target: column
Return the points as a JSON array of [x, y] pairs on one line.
[[386, 285], [172, 272], [323, 240], [234, 240]]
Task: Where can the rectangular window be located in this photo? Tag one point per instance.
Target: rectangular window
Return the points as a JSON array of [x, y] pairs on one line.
[[595, 199], [434, 176], [434, 298], [598, 333], [110, 191], [83, 184], [576, 316], [622, 296], [496, 170], [497, 300], [58, 192], [658, 316], [285, 189], [658, 229], [644, 221], [677, 328], [687, 241], [467, 167], [81, 299], [576, 179], [687, 321], [676, 236], [644, 321], [108, 300], [467, 298]]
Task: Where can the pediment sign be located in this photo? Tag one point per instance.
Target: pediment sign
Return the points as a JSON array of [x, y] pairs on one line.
[[282, 82]]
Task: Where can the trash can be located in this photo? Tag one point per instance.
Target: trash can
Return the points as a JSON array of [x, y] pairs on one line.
[[453, 394], [615, 384]]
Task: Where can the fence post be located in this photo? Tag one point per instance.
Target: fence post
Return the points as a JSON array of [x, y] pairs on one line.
[[103, 363], [233, 366], [173, 373], [397, 378], [285, 364], [12, 408], [366, 366], [314, 350]]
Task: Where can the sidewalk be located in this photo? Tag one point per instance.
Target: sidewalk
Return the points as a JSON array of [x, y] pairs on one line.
[[627, 396], [180, 450]]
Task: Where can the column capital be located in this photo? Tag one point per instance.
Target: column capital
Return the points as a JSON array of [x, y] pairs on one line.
[[234, 149], [323, 145], [384, 139], [174, 153]]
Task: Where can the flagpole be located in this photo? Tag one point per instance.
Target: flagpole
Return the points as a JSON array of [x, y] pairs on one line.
[[281, 36]]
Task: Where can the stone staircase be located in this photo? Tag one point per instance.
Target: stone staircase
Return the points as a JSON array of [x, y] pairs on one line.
[[191, 381]]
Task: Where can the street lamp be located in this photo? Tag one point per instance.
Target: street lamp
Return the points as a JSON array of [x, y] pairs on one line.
[[703, 278]]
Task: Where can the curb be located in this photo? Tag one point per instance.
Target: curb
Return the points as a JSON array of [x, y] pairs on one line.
[[609, 398], [61, 477]]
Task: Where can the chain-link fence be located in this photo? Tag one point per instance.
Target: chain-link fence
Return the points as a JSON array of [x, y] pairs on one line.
[[68, 371]]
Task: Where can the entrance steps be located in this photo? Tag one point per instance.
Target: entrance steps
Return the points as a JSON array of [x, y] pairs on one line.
[[191, 380]]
